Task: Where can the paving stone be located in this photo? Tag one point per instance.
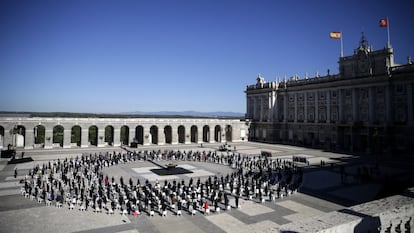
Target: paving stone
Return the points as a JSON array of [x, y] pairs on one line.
[[253, 209]]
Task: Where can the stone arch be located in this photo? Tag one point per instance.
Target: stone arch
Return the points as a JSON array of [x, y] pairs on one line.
[[1, 137], [194, 134], [168, 134], [229, 133], [217, 133], [181, 134], [124, 135], [139, 135], [93, 135], [58, 135], [76, 135], [18, 136], [39, 135], [109, 135], [206, 133], [153, 134]]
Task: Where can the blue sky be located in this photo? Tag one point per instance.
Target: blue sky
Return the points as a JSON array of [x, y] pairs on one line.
[[176, 55]]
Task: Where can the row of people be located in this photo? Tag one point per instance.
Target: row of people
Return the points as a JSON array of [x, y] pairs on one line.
[[81, 183]]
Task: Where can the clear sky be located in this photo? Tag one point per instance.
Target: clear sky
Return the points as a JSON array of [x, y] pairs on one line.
[[176, 55]]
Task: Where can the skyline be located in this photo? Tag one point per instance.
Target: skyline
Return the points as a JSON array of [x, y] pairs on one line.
[[114, 57]]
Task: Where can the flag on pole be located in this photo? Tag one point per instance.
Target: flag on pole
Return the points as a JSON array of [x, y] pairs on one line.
[[335, 35], [383, 23]]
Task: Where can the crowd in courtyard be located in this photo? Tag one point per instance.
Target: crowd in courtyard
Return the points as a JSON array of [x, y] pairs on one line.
[[81, 183]]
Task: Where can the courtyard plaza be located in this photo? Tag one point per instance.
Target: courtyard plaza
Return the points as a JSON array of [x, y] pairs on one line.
[[332, 181]]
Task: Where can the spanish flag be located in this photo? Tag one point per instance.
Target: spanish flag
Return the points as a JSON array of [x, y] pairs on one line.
[[335, 35], [383, 23]]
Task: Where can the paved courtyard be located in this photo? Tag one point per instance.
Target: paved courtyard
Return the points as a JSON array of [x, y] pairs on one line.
[[323, 190]]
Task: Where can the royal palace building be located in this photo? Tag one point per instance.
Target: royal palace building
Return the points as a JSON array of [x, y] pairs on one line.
[[366, 107]]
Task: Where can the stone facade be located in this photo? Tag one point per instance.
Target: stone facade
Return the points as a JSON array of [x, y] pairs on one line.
[[117, 131], [367, 107]]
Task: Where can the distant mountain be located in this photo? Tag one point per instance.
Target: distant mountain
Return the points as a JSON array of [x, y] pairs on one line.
[[162, 114], [188, 113]]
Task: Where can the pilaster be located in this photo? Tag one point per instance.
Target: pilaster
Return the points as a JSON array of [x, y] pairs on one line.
[[29, 139], [328, 106], [48, 138], [131, 135], [7, 138], [67, 133], [199, 134], [285, 108], [174, 135], [371, 105], [316, 107], [84, 137], [355, 112], [161, 136], [341, 105], [101, 137], [305, 112], [261, 108], [296, 107], [410, 119], [187, 132], [388, 101], [117, 137]]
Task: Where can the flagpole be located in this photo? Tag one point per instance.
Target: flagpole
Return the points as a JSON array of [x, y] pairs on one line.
[[388, 34], [342, 45]]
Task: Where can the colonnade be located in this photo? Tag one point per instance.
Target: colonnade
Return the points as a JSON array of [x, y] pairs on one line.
[[100, 132]]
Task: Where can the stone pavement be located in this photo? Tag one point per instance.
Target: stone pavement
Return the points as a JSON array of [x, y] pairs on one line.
[[322, 192]]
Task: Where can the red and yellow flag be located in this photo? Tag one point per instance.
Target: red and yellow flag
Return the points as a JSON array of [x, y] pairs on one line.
[[335, 35], [383, 23]]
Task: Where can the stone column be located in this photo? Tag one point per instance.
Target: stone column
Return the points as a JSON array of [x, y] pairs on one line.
[[174, 135], [161, 136], [48, 137], [29, 138], [355, 112], [296, 107], [187, 132], [2, 141], [410, 119], [275, 109], [117, 136], [84, 137], [101, 136], [371, 105], [269, 106], [261, 108], [254, 108], [341, 105], [212, 132], [131, 135], [285, 108], [223, 133], [316, 107], [67, 133], [328, 106], [388, 104], [7, 138], [305, 112], [199, 134], [248, 113]]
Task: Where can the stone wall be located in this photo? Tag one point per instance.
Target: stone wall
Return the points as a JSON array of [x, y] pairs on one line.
[[391, 214]]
